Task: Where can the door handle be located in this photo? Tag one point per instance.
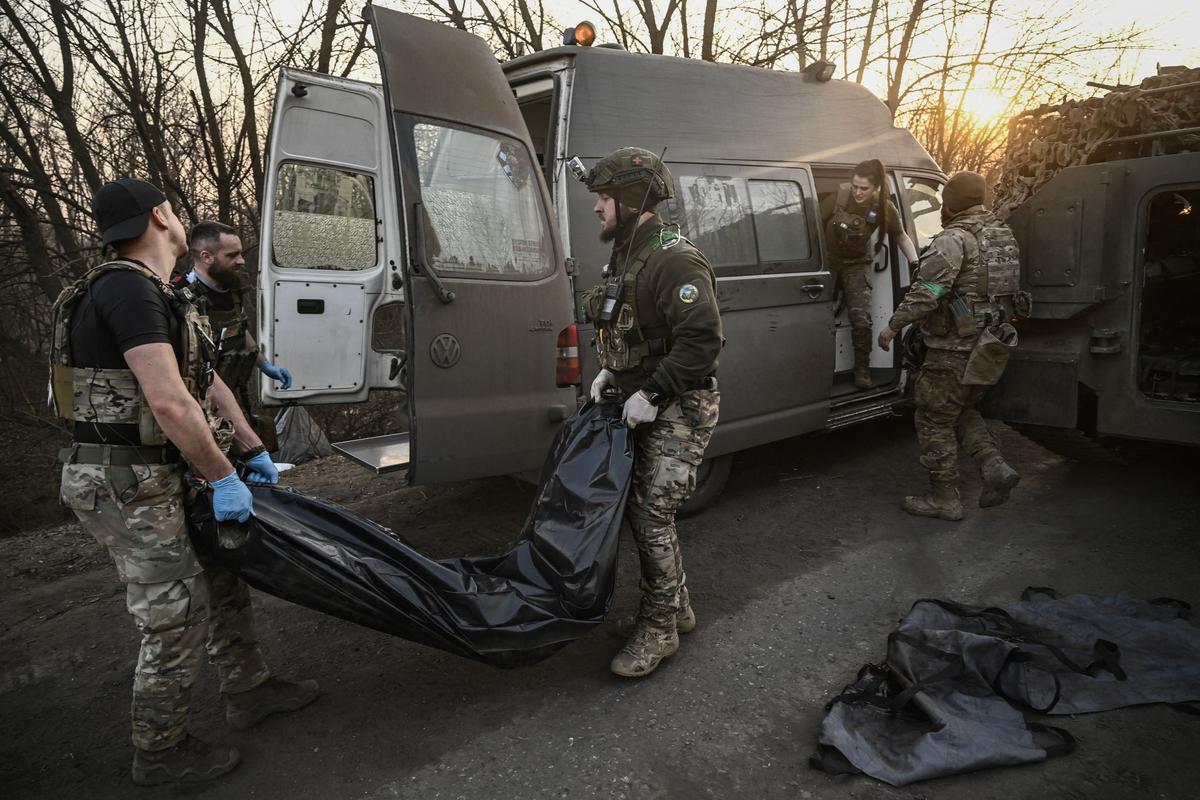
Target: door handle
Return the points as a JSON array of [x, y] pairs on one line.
[[813, 289]]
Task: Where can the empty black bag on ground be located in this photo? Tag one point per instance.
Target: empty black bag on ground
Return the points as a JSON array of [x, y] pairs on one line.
[[518, 608], [951, 695]]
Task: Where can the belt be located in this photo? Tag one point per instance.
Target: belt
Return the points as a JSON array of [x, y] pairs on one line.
[[708, 383], [115, 455]]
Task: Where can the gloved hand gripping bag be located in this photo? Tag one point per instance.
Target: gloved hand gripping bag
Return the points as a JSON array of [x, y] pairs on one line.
[[554, 586]]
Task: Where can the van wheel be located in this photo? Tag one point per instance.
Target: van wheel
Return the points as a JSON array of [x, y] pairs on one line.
[[711, 477]]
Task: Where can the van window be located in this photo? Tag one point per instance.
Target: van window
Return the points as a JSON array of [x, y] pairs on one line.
[[924, 196], [780, 227], [324, 219], [743, 226], [714, 213], [484, 204]]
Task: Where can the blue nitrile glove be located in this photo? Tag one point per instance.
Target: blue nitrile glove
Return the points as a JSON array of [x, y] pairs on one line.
[[231, 499], [261, 469], [278, 373]]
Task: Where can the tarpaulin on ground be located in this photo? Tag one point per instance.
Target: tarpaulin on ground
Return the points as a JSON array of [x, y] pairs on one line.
[[517, 608], [951, 694]]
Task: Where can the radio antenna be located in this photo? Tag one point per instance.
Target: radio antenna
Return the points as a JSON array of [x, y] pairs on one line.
[[642, 210]]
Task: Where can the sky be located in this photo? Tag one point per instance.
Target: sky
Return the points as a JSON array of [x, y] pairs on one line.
[[1172, 37], [1175, 23]]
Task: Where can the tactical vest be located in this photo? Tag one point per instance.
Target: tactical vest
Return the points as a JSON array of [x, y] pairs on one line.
[[623, 343], [849, 232], [992, 257], [113, 396], [235, 362]]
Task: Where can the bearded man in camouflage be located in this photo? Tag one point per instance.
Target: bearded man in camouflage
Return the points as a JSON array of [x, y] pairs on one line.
[[658, 335], [963, 297]]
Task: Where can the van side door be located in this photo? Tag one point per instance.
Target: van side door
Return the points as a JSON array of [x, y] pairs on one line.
[[486, 286], [758, 228]]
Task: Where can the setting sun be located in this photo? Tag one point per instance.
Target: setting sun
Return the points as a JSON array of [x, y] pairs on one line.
[[985, 105]]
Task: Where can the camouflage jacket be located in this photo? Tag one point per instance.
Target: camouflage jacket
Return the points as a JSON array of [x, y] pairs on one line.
[[954, 263]]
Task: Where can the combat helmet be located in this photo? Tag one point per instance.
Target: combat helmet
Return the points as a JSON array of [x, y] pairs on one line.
[[631, 175]]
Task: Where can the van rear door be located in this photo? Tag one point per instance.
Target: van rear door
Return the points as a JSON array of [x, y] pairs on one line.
[[328, 234], [486, 290]]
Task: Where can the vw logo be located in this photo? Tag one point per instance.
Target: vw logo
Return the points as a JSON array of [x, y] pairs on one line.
[[445, 350]]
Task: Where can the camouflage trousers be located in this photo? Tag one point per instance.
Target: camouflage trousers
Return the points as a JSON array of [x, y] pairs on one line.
[[946, 415], [668, 452], [856, 288], [180, 606]]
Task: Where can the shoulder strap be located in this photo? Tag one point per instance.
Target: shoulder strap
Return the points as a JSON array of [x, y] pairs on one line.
[[71, 293], [843, 197]]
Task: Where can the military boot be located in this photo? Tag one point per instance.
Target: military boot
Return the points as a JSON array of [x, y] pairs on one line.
[[190, 761], [998, 480], [246, 709], [942, 502], [646, 649], [861, 338], [685, 622]]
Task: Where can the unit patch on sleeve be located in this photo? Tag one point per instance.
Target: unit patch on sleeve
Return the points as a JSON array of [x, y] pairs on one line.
[[688, 293]]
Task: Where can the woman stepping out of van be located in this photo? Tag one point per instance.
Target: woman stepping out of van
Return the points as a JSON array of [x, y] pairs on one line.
[[852, 215]]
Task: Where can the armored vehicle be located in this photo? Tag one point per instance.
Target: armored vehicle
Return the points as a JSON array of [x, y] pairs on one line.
[[1104, 197]]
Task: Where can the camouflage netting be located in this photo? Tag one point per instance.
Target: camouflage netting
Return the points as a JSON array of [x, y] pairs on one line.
[[1045, 140]]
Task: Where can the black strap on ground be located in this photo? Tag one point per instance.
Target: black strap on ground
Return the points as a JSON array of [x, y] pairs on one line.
[[1022, 657], [1066, 742], [1106, 655]]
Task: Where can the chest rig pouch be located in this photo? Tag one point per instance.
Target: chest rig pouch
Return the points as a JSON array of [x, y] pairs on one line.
[[113, 396], [622, 341], [851, 232], [235, 362], [994, 257]]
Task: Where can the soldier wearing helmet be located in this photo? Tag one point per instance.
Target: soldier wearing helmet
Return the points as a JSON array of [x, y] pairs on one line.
[[962, 297], [658, 335]]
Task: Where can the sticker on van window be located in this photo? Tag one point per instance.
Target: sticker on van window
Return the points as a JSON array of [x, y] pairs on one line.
[[688, 293]]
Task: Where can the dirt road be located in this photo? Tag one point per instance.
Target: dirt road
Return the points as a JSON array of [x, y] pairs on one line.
[[798, 575]]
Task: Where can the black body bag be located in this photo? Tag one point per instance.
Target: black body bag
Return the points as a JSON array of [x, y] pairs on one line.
[[554, 586]]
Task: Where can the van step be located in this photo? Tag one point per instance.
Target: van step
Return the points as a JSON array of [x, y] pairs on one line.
[[380, 454]]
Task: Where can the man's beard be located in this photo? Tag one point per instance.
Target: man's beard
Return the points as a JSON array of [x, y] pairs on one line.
[[622, 226], [229, 276]]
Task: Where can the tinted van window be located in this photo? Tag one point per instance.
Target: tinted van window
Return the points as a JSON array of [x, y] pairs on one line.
[[780, 226], [714, 213]]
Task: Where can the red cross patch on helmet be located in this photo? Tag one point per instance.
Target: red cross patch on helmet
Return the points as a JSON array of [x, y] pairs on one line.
[[637, 161]]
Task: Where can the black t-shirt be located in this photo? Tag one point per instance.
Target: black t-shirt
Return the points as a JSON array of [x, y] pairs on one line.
[[120, 311]]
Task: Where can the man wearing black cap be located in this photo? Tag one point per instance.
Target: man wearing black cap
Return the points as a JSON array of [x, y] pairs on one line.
[[963, 297], [132, 367]]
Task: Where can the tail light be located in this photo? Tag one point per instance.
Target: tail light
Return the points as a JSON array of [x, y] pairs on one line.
[[566, 365]]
